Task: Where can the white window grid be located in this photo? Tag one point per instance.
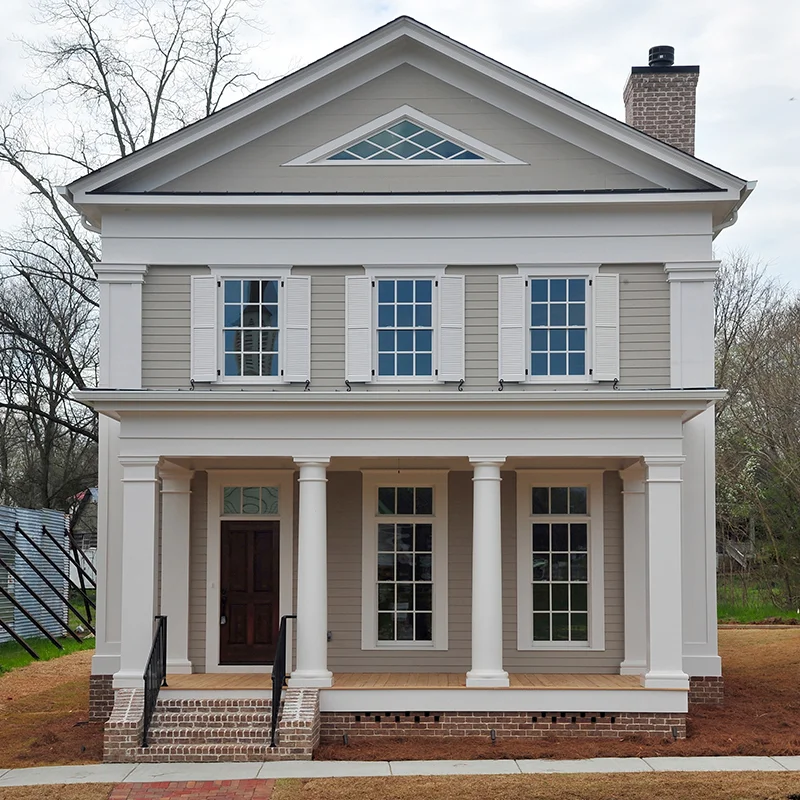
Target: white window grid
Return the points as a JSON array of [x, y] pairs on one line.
[[251, 318], [558, 327], [405, 328]]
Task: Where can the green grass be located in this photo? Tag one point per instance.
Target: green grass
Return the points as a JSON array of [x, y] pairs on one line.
[[753, 612], [12, 656], [76, 599]]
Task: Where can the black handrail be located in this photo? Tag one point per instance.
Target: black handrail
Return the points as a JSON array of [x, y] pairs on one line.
[[155, 674], [279, 675]]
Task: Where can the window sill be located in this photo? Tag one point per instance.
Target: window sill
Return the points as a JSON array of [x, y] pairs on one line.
[[410, 647], [560, 647]]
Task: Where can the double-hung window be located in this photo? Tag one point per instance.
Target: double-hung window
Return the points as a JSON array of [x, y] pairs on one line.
[[404, 326], [559, 325], [404, 592], [252, 328], [560, 560]]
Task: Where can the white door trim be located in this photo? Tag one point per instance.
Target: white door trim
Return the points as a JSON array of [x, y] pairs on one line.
[[284, 480]]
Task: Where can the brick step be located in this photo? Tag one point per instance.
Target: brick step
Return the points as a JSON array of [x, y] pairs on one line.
[[176, 753], [213, 707], [256, 735], [210, 719]]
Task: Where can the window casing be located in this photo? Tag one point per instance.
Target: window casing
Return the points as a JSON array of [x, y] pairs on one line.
[[404, 570], [560, 572], [405, 328]]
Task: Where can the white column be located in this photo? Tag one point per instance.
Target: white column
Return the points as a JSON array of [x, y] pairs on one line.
[[664, 598], [312, 576], [634, 533], [175, 495], [487, 576], [139, 565]]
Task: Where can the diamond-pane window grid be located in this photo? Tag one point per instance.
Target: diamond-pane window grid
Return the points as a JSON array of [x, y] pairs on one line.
[[405, 141]]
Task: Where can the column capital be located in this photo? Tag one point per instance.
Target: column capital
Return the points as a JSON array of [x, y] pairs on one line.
[[139, 468], [663, 468], [175, 479], [633, 478], [120, 273], [691, 270], [494, 461], [308, 461]]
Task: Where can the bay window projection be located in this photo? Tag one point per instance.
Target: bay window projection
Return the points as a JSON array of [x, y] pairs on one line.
[[405, 564], [250, 328]]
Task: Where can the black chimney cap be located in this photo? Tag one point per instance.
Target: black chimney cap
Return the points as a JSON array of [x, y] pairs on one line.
[[662, 56]]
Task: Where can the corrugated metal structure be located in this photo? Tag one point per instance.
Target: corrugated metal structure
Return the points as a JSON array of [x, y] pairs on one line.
[[31, 522]]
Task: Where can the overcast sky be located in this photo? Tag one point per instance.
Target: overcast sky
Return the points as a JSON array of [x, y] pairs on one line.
[[748, 102]]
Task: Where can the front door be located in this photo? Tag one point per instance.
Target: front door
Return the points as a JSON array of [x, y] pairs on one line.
[[249, 592]]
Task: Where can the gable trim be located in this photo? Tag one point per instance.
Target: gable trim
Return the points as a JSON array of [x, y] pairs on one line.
[[317, 156], [405, 27]]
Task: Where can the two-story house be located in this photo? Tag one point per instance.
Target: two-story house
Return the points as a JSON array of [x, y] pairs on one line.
[[420, 350]]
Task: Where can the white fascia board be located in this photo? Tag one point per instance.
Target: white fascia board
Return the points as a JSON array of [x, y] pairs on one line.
[[584, 199], [502, 699], [316, 156], [684, 403], [437, 43]]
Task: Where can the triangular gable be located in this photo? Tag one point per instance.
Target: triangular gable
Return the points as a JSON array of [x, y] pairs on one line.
[[404, 136], [402, 41]]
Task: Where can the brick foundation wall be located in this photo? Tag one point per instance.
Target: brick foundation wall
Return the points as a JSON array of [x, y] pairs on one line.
[[707, 691], [101, 697], [517, 724], [299, 728], [123, 731]]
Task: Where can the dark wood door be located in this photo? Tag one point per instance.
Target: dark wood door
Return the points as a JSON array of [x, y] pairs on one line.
[[249, 592]]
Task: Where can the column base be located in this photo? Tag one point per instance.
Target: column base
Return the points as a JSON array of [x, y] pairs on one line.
[[487, 678], [179, 666], [312, 679], [129, 679], [632, 668], [665, 680]]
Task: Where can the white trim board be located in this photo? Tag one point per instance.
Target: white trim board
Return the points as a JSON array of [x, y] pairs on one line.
[[503, 699], [491, 155], [284, 480]]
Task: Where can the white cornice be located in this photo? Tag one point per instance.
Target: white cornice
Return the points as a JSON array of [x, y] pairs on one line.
[[691, 270]]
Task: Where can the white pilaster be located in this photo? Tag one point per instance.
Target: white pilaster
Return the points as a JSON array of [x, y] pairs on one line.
[[634, 534], [487, 576], [691, 301], [139, 511], [175, 496], [120, 324], [664, 596], [312, 576]]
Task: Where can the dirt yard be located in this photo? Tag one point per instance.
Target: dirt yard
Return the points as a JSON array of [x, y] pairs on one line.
[[44, 715], [761, 716]]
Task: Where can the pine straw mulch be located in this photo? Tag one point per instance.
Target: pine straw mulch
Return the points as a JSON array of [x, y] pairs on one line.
[[760, 717], [638, 786], [44, 715], [82, 791]]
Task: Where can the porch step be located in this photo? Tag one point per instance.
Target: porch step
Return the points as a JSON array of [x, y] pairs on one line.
[[219, 734]]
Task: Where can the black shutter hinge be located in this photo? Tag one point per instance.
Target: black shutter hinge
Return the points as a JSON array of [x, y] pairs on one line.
[[219, 284], [218, 373], [526, 372], [373, 373], [436, 283], [590, 281], [436, 373], [373, 284], [591, 371], [282, 284], [526, 281], [281, 373]]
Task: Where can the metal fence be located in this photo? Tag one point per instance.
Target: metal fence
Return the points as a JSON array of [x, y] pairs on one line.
[[32, 592]]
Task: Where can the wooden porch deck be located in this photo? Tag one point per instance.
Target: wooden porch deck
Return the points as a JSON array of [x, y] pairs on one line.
[[403, 680]]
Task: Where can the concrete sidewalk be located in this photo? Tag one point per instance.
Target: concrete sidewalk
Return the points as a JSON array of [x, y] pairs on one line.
[[149, 773]]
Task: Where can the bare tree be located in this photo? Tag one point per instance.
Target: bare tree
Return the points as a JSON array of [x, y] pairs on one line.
[[114, 76]]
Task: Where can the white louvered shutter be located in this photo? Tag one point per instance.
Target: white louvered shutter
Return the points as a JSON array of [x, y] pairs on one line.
[[511, 309], [297, 329], [605, 321], [358, 333], [204, 328], [451, 328]]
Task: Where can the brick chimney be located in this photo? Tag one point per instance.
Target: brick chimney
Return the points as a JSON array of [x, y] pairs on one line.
[[660, 99]]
